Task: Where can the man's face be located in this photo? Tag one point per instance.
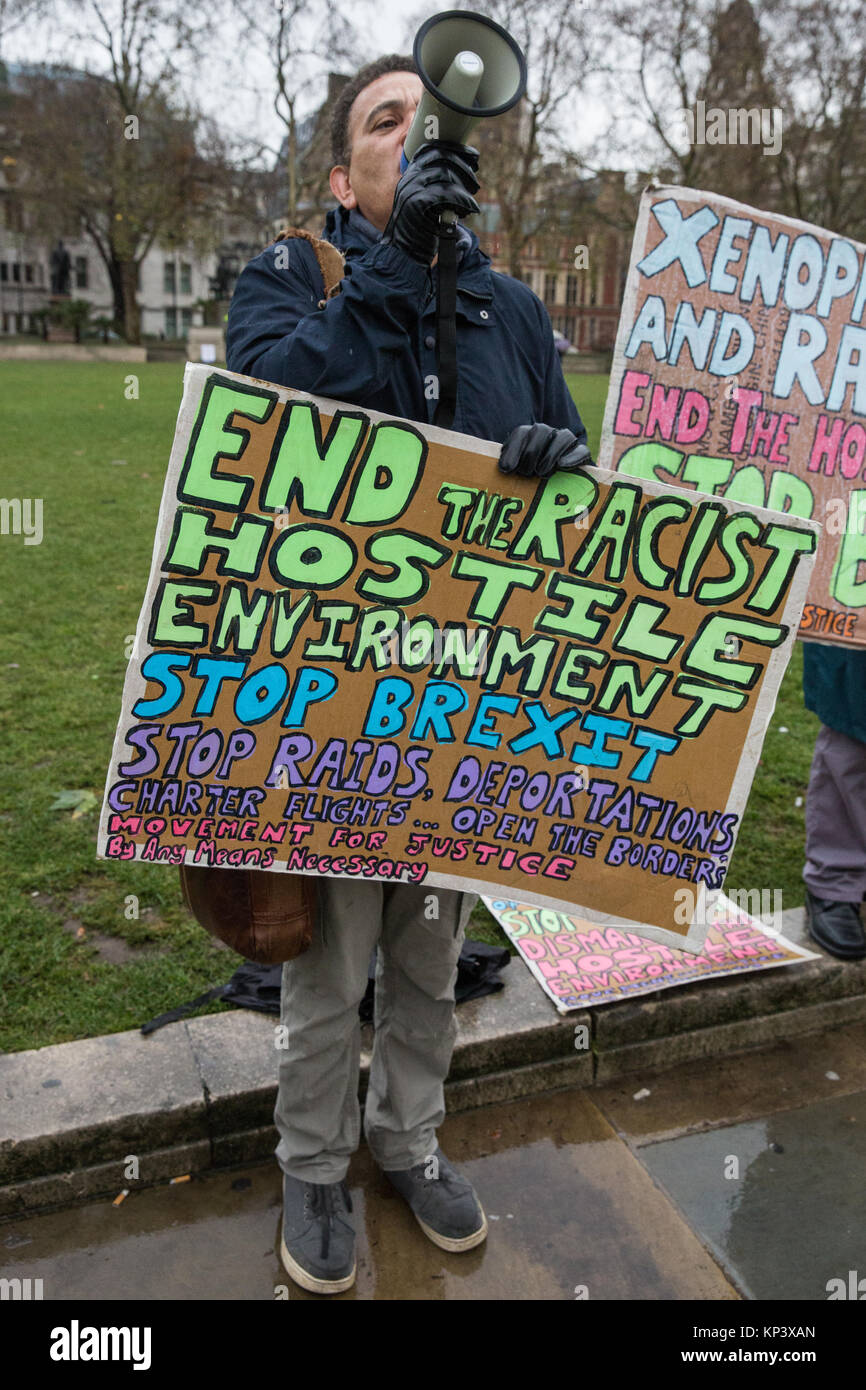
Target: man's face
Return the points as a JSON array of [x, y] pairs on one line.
[[379, 122]]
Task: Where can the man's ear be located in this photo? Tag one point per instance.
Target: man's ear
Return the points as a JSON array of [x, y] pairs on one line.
[[341, 188]]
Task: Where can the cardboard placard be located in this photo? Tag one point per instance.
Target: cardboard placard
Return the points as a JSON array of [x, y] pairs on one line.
[[365, 651], [740, 370], [581, 966]]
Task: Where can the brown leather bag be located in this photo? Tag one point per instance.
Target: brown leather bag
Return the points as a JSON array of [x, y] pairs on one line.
[[266, 917]]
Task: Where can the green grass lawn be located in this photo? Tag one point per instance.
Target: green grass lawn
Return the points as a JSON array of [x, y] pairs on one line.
[[67, 608]]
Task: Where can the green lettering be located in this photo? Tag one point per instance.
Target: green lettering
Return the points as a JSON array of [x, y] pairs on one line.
[[845, 586], [740, 567], [562, 497], [702, 655], [167, 626], [705, 700], [387, 476], [239, 621], [312, 557], [661, 511], [497, 580], [575, 663], [195, 536], [639, 634], [576, 620], [409, 557], [789, 543], [622, 681], [304, 466], [613, 527], [212, 440], [509, 654]]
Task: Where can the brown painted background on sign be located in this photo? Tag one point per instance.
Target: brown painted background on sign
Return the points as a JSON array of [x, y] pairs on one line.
[[769, 325], [700, 774]]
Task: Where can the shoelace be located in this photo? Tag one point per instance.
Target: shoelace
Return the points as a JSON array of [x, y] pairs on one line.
[[325, 1201]]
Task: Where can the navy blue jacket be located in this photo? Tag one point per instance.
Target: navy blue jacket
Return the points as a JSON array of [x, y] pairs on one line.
[[373, 344], [834, 687]]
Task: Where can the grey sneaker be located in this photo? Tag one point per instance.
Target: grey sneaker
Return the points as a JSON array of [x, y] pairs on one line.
[[317, 1240], [444, 1204]]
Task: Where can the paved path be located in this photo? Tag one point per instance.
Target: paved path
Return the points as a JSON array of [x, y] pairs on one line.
[[734, 1178]]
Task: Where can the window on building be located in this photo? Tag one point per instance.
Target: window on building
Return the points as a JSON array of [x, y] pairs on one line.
[[81, 272], [40, 273], [13, 214], [169, 284], [550, 289], [28, 274], [171, 323], [185, 322], [16, 273], [185, 278], [571, 289], [4, 272]]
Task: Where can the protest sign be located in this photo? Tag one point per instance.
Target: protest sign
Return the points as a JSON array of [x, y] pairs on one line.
[[365, 652], [740, 370], [579, 965]]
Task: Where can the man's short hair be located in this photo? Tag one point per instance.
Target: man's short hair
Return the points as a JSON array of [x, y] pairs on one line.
[[341, 146]]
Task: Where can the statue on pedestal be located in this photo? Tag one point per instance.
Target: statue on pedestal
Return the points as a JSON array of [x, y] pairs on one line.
[[61, 271]]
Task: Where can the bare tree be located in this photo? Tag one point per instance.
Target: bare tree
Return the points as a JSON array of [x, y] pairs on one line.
[[301, 41], [806, 58], [817, 53], [116, 149], [15, 14], [117, 156], [520, 149]]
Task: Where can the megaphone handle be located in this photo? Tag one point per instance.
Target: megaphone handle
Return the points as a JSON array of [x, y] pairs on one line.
[[446, 320]]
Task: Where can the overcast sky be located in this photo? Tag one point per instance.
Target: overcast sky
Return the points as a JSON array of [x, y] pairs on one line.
[[233, 83]]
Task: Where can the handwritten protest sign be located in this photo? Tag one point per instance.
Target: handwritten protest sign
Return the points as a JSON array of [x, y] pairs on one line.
[[364, 651], [740, 370], [579, 965]]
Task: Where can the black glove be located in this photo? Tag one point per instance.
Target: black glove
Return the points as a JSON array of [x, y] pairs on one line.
[[442, 175], [536, 451]]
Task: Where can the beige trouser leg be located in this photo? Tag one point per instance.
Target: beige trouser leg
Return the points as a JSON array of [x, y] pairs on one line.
[[419, 931]]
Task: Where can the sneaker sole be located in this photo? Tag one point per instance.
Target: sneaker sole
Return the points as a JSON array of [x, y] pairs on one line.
[[309, 1281], [450, 1243]]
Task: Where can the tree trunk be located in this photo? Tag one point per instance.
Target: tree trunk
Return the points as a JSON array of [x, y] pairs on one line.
[[293, 172], [131, 314], [117, 295]]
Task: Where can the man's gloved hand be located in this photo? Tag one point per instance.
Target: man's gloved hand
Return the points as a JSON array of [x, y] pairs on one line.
[[536, 451], [442, 175]]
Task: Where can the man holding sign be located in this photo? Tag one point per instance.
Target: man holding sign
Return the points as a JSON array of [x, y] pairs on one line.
[[372, 344]]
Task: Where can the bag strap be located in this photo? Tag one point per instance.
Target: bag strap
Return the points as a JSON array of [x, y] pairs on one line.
[[331, 262], [173, 1015]]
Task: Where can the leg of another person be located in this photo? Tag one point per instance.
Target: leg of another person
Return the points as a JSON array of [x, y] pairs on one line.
[[836, 819]]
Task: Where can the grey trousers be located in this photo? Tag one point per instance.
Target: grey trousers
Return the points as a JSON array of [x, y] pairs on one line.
[[836, 819], [419, 932]]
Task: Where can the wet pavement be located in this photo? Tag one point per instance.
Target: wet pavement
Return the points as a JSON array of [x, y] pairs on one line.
[[727, 1179]]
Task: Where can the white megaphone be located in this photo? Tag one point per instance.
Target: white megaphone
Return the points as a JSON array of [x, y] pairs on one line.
[[471, 69]]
